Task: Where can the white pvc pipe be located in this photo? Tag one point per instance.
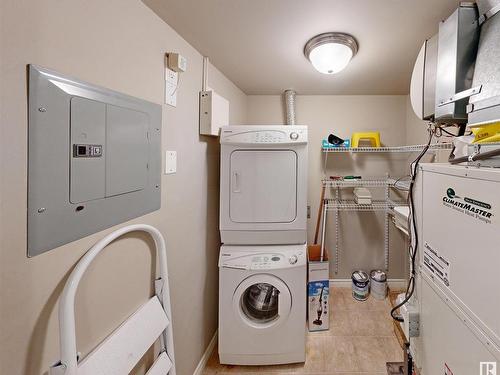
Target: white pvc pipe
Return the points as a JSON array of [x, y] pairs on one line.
[[67, 334], [204, 85]]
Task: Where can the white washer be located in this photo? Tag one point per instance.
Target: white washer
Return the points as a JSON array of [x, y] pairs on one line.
[[263, 184], [262, 309]]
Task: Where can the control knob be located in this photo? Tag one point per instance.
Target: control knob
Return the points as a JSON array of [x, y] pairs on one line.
[[293, 259], [294, 136]]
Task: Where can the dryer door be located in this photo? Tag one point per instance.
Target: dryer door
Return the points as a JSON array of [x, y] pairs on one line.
[[262, 301], [263, 186]]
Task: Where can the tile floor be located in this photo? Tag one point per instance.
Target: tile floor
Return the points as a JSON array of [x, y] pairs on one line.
[[360, 341]]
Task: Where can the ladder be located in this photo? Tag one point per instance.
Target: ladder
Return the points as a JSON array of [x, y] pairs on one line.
[[118, 353]]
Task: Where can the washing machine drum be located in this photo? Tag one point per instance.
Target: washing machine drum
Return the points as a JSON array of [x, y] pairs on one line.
[[260, 302]]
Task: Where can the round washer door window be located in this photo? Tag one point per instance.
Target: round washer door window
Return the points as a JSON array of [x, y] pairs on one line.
[[262, 301]]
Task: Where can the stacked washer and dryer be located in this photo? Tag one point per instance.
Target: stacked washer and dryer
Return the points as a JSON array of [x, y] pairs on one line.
[[262, 263]]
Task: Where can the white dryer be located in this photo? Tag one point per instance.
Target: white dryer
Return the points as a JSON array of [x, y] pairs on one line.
[[262, 310], [263, 184]]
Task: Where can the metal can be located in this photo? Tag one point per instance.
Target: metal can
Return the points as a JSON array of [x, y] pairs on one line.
[[378, 282], [360, 285]]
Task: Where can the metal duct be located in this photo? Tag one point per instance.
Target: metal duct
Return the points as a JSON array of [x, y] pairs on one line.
[[457, 48], [289, 96], [484, 107]]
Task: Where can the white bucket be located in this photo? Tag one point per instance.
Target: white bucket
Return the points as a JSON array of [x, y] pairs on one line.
[[378, 281]]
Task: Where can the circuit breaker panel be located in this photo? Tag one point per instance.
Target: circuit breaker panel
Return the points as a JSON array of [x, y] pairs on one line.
[[94, 159]]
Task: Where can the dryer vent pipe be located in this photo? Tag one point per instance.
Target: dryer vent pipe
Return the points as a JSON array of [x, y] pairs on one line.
[[289, 96]]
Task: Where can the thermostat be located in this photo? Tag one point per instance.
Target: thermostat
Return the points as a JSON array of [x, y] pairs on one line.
[[176, 62]]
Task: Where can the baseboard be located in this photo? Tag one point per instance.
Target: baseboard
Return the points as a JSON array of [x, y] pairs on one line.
[[395, 284], [206, 356]]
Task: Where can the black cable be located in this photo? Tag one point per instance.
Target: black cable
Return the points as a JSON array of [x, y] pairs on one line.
[[446, 131], [412, 250]]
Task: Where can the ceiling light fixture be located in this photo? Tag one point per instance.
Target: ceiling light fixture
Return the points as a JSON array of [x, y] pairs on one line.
[[330, 52]]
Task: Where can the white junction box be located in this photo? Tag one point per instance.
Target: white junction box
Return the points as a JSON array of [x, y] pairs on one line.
[[214, 112], [459, 287], [318, 290], [411, 318]]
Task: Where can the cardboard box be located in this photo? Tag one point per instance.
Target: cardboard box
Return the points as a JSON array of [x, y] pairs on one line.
[[318, 289]]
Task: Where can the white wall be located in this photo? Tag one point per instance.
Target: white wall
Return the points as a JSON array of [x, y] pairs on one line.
[[361, 233], [118, 44]]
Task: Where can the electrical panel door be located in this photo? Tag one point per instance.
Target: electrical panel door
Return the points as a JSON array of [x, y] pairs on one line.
[[94, 159]]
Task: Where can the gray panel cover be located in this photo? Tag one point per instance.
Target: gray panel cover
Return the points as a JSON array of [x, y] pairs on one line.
[[88, 126], [486, 5], [126, 149], [63, 111], [486, 104]]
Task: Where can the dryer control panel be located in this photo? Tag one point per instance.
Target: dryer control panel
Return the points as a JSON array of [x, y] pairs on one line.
[[254, 135], [262, 260]]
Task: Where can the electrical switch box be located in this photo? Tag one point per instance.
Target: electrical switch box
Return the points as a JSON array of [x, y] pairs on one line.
[[214, 113], [94, 159]]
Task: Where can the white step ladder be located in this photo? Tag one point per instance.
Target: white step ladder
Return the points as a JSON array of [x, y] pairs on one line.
[[125, 346]]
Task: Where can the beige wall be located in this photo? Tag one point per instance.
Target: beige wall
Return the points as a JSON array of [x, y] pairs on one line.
[[117, 44], [416, 129], [361, 233]]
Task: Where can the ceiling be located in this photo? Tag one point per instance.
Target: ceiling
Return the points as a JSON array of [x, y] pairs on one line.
[[258, 44]]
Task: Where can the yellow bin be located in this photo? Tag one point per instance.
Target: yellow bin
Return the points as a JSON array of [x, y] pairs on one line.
[[373, 137]]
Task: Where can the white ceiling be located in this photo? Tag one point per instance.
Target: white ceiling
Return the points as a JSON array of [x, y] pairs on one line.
[[258, 44]]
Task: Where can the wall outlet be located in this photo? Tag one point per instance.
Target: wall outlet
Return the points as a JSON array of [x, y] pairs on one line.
[[170, 162]]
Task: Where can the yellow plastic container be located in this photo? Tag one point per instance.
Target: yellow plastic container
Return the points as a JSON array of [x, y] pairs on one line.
[[373, 137], [486, 133]]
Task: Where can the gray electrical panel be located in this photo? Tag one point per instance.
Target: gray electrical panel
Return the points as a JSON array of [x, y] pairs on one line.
[[94, 159]]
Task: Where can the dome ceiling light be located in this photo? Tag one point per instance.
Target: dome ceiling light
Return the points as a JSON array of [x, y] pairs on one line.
[[330, 52]]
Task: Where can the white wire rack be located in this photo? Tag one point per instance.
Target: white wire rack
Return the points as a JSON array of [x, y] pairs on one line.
[[351, 205], [388, 149], [385, 205], [365, 182]]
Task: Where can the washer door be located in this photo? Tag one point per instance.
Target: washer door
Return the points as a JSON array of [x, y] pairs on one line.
[[262, 301]]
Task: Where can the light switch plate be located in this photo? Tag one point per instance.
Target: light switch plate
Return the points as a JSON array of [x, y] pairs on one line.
[[170, 162], [171, 82]]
